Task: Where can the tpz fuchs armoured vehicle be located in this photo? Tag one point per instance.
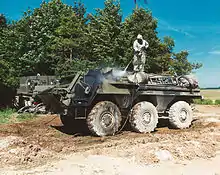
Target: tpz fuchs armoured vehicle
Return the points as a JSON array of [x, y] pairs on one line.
[[103, 98], [26, 99]]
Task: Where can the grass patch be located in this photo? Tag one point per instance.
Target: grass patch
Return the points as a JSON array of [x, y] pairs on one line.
[[217, 102], [6, 115], [204, 102], [10, 116], [25, 117], [207, 102], [211, 97]]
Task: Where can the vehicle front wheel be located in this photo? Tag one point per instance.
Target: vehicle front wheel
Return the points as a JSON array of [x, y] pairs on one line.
[[104, 119], [143, 117], [180, 115]]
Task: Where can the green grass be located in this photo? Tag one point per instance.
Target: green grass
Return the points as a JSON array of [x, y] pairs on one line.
[[10, 116], [207, 102], [204, 102], [217, 102], [6, 115], [25, 117], [211, 97]]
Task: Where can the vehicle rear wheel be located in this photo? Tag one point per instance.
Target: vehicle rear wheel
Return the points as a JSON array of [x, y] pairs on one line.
[[180, 115], [104, 119], [143, 117]]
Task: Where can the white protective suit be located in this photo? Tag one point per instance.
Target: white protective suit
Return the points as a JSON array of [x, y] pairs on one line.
[[140, 46]]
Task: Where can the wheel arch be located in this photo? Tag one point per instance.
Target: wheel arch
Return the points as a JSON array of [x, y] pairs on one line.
[[179, 98], [114, 98], [148, 98]]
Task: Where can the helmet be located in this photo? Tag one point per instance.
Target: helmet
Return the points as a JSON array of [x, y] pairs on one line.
[[139, 36]]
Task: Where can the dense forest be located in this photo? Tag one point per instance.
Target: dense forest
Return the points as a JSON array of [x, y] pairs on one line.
[[59, 39]]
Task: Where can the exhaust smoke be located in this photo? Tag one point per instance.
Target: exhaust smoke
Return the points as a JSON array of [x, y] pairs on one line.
[[118, 73]]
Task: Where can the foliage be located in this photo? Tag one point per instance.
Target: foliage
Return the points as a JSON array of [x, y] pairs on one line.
[[180, 65], [8, 74], [207, 102], [61, 39], [36, 33], [142, 22], [25, 117], [3, 21], [217, 102], [6, 115], [103, 33], [69, 42], [9, 115], [204, 102], [8, 71]]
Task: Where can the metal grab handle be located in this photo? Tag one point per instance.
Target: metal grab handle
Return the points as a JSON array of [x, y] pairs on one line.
[[85, 86]]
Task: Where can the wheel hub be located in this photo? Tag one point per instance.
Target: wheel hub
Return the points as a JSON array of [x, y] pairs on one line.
[[107, 120], [146, 118], [183, 116]]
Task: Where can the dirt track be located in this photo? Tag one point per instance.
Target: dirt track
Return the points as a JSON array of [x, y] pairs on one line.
[[25, 147]]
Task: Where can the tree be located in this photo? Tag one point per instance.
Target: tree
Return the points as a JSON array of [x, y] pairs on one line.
[[8, 72], [180, 65], [59, 39], [103, 31], [69, 42], [36, 31], [142, 22], [160, 54], [3, 21]]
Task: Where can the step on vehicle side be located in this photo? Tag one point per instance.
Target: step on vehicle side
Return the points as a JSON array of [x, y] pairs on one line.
[[107, 98]]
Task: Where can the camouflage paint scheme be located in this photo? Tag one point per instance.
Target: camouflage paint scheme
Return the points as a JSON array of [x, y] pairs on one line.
[[78, 97], [29, 87]]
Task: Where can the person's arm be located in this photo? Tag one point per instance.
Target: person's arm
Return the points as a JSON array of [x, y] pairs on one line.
[[146, 44], [135, 46]]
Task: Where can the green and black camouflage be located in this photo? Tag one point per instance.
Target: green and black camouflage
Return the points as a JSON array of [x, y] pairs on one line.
[[104, 87]]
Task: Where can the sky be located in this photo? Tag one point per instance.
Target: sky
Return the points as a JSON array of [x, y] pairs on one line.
[[193, 24]]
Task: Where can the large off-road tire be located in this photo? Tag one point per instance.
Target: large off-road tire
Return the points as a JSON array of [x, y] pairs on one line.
[[143, 117], [104, 119], [180, 115]]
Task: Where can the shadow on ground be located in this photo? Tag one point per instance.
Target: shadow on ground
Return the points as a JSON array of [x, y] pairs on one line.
[[79, 128]]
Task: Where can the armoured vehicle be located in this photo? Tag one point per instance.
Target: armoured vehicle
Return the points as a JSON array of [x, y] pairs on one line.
[[107, 98], [26, 99]]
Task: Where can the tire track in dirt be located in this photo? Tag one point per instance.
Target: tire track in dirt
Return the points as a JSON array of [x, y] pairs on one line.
[[38, 141]]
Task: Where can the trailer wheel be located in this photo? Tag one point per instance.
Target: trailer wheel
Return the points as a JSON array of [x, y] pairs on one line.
[[180, 115], [104, 119], [143, 117]]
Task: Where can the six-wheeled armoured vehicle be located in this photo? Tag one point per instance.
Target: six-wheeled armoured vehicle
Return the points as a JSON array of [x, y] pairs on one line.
[[105, 99]]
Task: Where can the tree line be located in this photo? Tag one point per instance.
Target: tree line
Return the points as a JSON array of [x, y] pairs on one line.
[[59, 39]]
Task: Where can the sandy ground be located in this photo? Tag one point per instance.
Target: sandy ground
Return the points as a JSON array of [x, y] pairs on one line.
[[44, 146]]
